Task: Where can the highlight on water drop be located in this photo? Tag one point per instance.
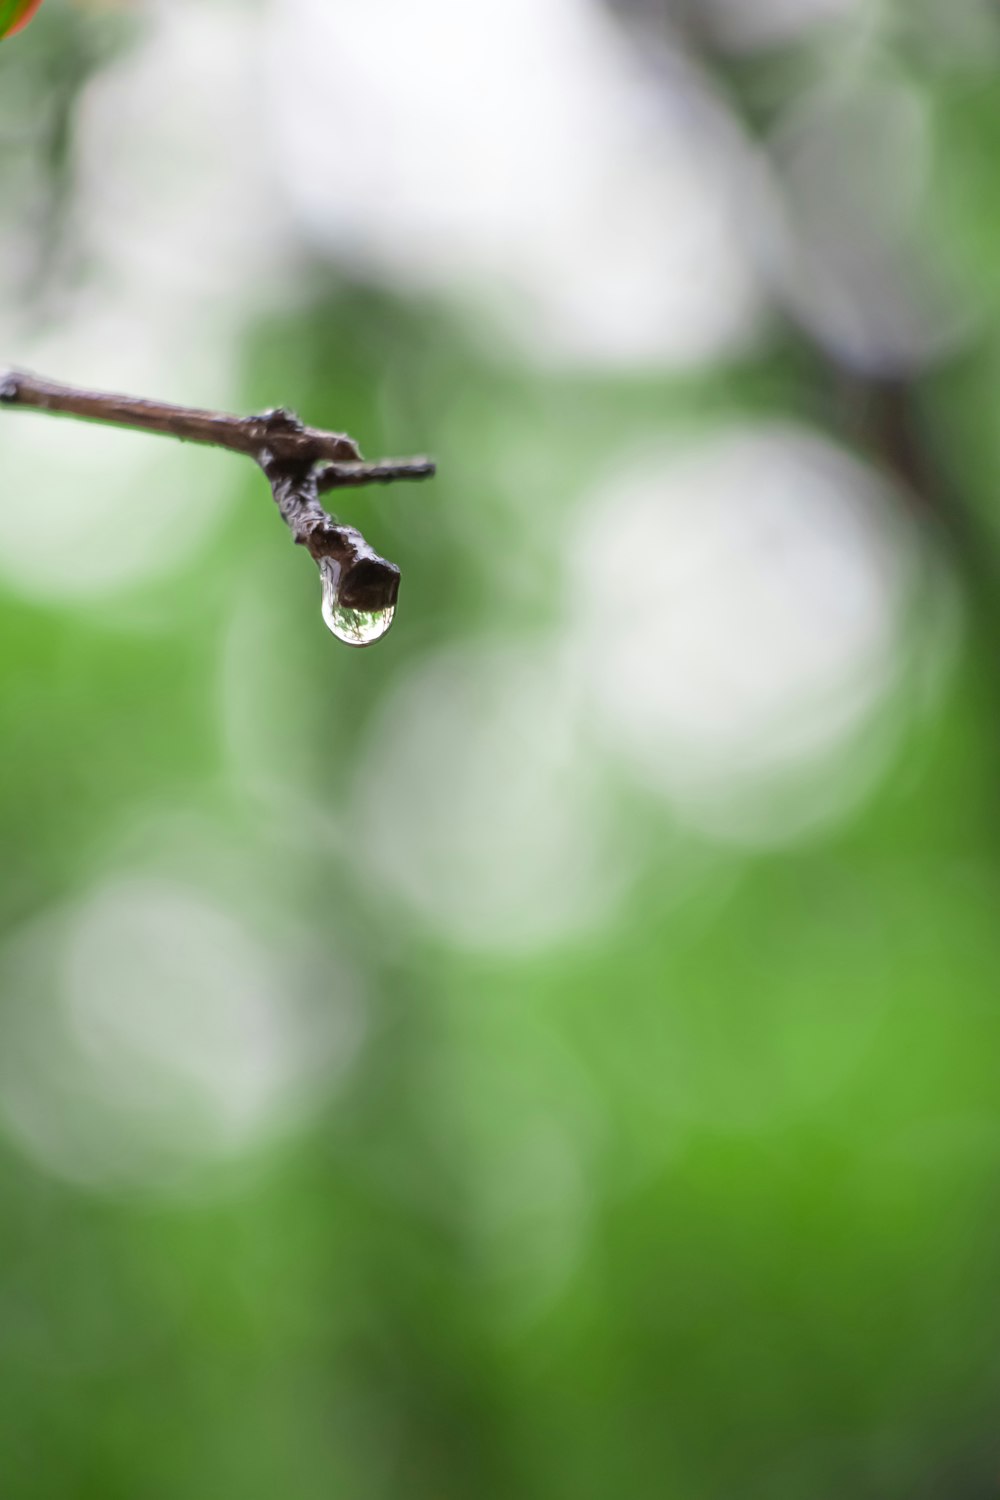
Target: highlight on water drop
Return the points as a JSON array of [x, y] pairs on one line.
[[350, 624]]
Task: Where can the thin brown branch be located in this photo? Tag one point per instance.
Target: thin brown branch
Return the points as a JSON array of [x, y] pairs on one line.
[[300, 464], [279, 430], [346, 475]]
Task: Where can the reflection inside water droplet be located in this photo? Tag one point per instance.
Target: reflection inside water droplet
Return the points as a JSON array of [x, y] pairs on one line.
[[355, 627]]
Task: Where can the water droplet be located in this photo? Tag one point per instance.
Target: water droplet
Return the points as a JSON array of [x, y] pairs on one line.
[[355, 627]]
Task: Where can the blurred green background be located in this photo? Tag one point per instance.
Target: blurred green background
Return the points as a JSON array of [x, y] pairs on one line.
[[553, 1053]]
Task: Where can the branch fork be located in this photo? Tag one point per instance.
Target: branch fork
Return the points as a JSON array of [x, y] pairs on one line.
[[300, 463]]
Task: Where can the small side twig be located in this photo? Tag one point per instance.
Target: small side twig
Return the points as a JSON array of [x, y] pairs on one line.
[[300, 463], [344, 475]]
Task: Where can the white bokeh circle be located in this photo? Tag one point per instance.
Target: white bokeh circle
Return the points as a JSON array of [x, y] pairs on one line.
[[738, 606], [517, 157], [856, 262], [152, 1030], [479, 805]]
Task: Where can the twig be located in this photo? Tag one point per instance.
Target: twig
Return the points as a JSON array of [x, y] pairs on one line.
[[279, 430], [300, 462], [343, 476]]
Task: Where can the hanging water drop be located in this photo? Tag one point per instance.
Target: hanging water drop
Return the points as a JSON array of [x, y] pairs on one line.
[[353, 626]]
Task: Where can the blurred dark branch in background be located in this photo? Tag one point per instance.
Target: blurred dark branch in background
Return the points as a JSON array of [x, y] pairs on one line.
[[42, 87], [886, 416]]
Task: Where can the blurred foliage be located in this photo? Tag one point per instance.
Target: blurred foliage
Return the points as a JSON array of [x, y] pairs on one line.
[[695, 1203]]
